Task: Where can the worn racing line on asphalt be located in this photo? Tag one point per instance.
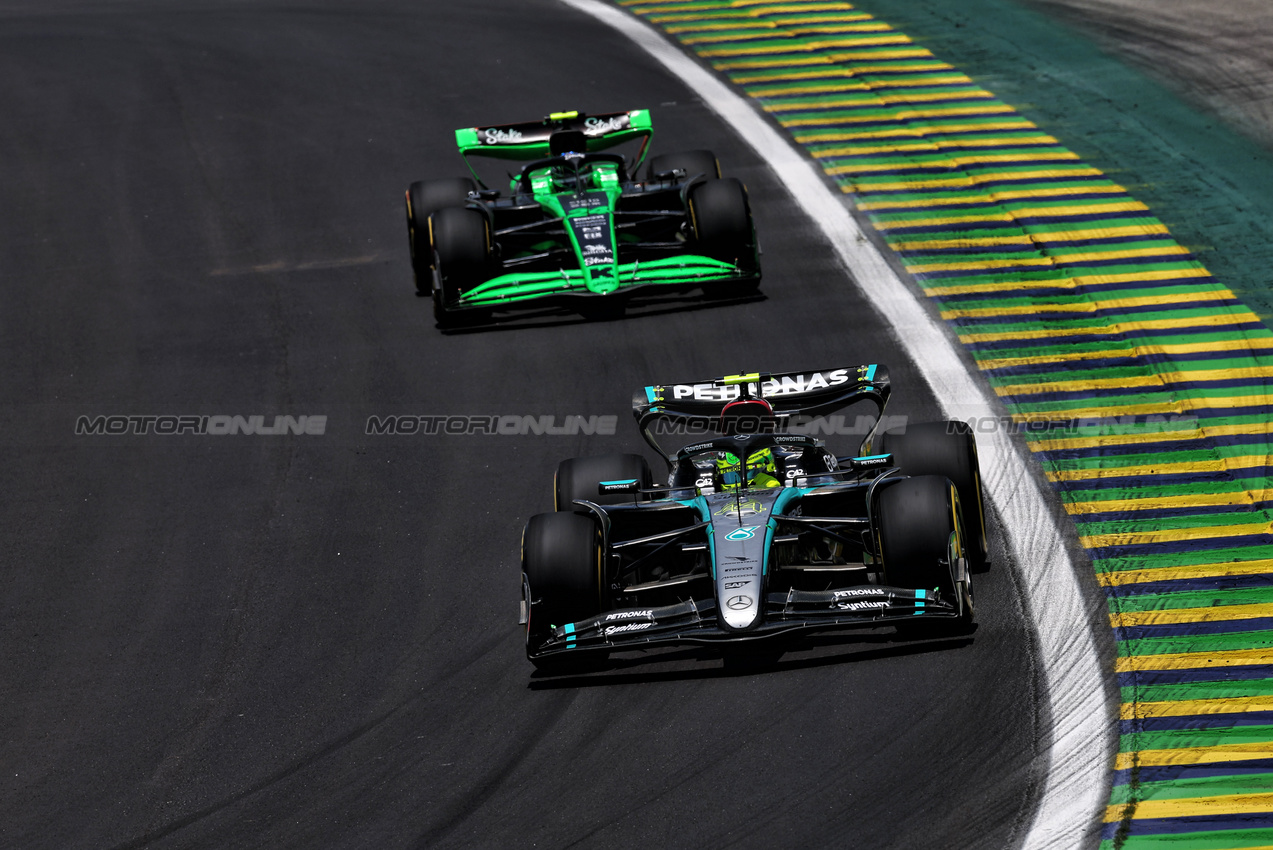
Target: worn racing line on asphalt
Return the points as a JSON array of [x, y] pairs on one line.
[[1143, 377], [310, 640]]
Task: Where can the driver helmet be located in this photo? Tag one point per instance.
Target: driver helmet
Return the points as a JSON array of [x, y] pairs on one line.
[[762, 470]]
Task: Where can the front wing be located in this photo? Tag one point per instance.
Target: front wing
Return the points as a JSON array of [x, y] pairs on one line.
[[686, 271], [693, 622]]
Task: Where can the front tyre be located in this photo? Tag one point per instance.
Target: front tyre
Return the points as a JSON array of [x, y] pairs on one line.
[[921, 540], [720, 219], [461, 244], [561, 563]]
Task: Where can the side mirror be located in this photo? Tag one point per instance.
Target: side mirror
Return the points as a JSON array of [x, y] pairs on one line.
[[630, 485], [872, 462]]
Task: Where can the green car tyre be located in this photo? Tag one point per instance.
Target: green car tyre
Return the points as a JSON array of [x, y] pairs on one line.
[[722, 229], [461, 244], [424, 198]]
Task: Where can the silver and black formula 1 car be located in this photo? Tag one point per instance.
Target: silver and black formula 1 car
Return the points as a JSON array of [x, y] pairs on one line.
[[577, 224], [759, 531]]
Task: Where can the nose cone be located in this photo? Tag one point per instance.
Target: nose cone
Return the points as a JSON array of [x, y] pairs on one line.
[[738, 536], [741, 610]]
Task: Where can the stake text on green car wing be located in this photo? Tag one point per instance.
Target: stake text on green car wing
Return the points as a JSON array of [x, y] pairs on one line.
[[759, 531], [575, 222]]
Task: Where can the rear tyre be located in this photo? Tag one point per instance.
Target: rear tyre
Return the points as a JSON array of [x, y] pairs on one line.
[[561, 561], [693, 163], [722, 228], [579, 477], [921, 541], [949, 449], [461, 242], [424, 198]]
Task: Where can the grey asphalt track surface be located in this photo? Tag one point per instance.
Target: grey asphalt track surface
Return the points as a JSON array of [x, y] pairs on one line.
[[311, 641]]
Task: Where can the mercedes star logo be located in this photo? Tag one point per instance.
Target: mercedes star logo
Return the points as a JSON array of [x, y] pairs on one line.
[[737, 603]]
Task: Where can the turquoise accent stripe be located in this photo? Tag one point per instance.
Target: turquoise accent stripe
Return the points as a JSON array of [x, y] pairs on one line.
[[784, 498]]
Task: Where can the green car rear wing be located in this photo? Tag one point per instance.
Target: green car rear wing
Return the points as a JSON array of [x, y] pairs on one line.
[[530, 140]]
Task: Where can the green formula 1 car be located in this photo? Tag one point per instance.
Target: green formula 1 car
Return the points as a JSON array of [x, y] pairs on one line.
[[576, 226]]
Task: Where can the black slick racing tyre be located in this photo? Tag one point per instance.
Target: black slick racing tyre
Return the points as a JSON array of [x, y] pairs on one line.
[[721, 222], [561, 562], [579, 477], [424, 198], [461, 240], [921, 541], [949, 449], [693, 163]]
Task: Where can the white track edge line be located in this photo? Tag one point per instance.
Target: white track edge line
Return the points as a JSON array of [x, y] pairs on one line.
[[1082, 742]]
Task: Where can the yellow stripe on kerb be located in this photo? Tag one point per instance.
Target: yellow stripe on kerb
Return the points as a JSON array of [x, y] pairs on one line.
[[1077, 281], [1159, 379], [1196, 661], [934, 145], [1010, 216], [885, 100], [1240, 568], [808, 137], [1172, 535], [1180, 405], [822, 59], [1219, 465], [902, 114], [953, 162], [1063, 260], [1148, 438], [1228, 804], [1194, 707], [1114, 328], [989, 196], [1194, 755], [782, 39], [757, 28], [1210, 614], [1092, 306], [1158, 503], [902, 244], [832, 71], [1131, 351], [808, 46], [734, 7]]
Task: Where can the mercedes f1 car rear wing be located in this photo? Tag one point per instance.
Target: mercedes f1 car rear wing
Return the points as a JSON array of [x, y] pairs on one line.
[[694, 409]]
